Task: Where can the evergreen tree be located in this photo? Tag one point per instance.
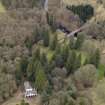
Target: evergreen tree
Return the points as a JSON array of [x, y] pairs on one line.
[[52, 65], [21, 69], [28, 43], [31, 71], [51, 22], [36, 54], [77, 62], [70, 64], [95, 58], [85, 12], [53, 42], [59, 61], [58, 49], [18, 74], [79, 41], [41, 80], [36, 35], [53, 25], [43, 59], [65, 52], [23, 65], [86, 61], [34, 3], [72, 43], [48, 18], [46, 38]]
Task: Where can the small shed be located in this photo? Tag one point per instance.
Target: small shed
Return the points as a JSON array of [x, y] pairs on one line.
[[29, 91]]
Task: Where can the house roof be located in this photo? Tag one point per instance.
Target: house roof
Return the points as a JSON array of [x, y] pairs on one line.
[[27, 85], [29, 91]]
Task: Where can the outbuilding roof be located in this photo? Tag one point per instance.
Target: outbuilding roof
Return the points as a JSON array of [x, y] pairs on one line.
[[27, 85]]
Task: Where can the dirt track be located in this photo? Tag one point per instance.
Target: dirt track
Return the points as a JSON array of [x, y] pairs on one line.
[[19, 96]]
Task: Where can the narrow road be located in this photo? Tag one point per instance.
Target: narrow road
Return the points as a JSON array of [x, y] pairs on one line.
[[75, 31], [46, 5], [16, 99], [78, 30]]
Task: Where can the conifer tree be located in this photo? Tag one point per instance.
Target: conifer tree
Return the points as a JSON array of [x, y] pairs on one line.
[[59, 60], [65, 52], [46, 38], [36, 54], [31, 71], [48, 18], [71, 43], [34, 3], [23, 65], [36, 35], [21, 69], [86, 61], [53, 42], [77, 62], [58, 49], [43, 59], [51, 22], [28, 43], [95, 58], [70, 64], [79, 41], [53, 25], [85, 12], [41, 80]]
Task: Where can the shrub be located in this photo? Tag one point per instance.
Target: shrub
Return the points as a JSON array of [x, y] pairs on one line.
[[58, 72], [53, 42], [79, 41], [46, 37], [86, 76], [41, 79], [100, 91], [95, 58]]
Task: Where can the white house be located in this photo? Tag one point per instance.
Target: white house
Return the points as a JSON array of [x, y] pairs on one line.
[[29, 91]]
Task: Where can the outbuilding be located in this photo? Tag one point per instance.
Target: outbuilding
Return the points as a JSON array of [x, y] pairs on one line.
[[29, 91]]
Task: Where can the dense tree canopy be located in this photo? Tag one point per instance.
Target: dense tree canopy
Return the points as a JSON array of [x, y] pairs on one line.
[[30, 50], [85, 12]]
